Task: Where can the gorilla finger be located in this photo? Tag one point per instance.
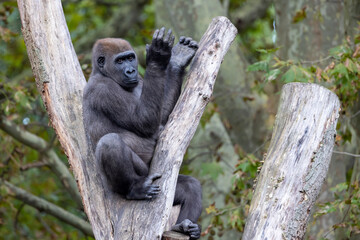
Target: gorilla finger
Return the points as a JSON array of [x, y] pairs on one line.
[[168, 36], [156, 33], [187, 40], [155, 188], [193, 44], [194, 230], [182, 39], [172, 40], [153, 193], [155, 176], [195, 236], [147, 196], [161, 34], [148, 181]]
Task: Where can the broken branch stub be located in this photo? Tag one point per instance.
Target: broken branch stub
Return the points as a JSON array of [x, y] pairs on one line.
[[296, 164]]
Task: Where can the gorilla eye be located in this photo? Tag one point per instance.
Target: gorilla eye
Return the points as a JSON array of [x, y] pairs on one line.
[[119, 61], [131, 58]]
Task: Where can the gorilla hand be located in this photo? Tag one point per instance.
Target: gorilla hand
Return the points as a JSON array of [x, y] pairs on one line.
[[159, 52]]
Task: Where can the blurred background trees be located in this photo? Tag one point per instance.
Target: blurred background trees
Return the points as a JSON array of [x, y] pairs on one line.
[[279, 41]]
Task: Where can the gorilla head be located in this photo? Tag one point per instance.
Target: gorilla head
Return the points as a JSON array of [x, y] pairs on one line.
[[115, 58]]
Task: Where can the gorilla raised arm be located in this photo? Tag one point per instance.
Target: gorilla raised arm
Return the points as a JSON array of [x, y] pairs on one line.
[[123, 115]]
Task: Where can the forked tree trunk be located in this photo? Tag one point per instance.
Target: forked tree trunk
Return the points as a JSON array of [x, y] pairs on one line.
[[60, 80], [296, 164]]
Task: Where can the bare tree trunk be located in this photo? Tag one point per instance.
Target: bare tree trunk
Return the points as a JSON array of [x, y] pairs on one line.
[[296, 164], [60, 80]]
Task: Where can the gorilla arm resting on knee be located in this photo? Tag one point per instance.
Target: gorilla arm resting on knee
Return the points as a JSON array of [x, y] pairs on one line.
[[123, 114]]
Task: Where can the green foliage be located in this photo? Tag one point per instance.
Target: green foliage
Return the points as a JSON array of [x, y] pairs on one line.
[[341, 75], [233, 215], [347, 201], [212, 169], [258, 36]]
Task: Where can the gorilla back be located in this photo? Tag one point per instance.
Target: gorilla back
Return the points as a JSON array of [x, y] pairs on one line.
[[123, 115]]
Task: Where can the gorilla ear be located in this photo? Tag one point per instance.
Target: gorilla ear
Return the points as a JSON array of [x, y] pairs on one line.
[[101, 62]]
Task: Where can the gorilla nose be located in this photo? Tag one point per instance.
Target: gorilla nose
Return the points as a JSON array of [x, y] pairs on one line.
[[130, 72]]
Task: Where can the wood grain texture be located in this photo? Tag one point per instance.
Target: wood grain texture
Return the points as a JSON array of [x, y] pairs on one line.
[[60, 81], [171, 235], [296, 164]]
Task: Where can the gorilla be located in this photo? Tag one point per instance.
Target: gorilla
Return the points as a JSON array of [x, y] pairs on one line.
[[124, 115]]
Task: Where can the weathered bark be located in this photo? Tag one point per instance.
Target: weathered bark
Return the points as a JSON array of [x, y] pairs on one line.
[[174, 236], [326, 25], [296, 164], [61, 82]]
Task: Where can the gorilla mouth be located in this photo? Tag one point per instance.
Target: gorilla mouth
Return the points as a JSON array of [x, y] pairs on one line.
[[131, 82]]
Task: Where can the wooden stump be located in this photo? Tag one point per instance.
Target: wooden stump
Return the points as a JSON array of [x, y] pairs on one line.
[[171, 235], [296, 164]]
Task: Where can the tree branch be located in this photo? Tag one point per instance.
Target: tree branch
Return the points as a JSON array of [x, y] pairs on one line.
[[348, 154], [51, 158], [33, 165], [296, 164], [50, 208]]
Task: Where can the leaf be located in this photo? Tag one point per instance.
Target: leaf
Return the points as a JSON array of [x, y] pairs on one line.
[[350, 65], [299, 15], [357, 39], [289, 76], [259, 66], [261, 50], [22, 99], [212, 169], [340, 187], [272, 75], [211, 209], [347, 136], [340, 70], [339, 51], [270, 50]]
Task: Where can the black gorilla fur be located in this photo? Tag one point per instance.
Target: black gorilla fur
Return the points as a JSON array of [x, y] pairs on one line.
[[123, 115]]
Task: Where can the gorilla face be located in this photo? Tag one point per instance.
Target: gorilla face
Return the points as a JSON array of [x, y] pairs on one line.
[[118, 63], [126, 69]]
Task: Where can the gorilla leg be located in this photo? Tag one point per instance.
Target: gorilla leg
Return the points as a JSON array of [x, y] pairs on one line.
[[188, 195], [124, 169]]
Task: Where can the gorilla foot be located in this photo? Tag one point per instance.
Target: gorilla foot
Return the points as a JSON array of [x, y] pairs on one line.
[[144, 189], [183, 52], [189, 228]]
